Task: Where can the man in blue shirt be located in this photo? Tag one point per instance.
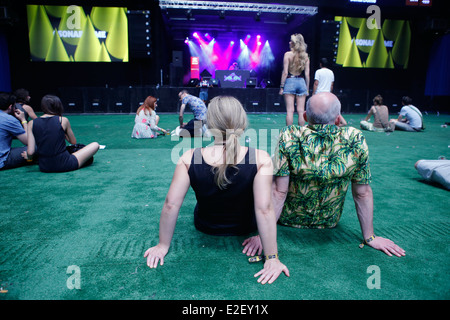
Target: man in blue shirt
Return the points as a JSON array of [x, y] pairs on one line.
[[196, 126], [11, 128]]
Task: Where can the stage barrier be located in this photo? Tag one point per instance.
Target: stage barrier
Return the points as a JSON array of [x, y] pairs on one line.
[[254, 100]]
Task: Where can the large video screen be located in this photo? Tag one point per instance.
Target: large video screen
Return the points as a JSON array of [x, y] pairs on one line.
[[362, 47], [78, 34]]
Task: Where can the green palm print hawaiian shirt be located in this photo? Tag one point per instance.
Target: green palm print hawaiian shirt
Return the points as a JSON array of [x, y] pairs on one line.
[[321, 161]]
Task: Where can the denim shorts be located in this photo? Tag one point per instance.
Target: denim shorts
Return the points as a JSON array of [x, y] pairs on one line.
[[295, 86]]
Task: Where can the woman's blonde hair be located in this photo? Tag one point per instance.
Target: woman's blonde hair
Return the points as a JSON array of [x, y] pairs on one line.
[[227, 121], [298, 47]]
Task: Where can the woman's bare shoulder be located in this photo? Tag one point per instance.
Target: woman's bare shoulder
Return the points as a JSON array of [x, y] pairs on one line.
[[186, 157], [262, 157]]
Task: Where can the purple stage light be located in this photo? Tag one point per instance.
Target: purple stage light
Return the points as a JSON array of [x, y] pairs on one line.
[[217, 55]]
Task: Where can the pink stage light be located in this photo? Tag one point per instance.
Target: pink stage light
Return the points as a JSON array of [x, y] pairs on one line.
[[247, 39], [255, 54], [195, 35]]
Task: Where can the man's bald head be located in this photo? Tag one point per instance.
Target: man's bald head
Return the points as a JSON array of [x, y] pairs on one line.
[[323, 108]]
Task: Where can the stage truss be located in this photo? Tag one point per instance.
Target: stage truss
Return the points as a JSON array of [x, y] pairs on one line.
[[238, 6]]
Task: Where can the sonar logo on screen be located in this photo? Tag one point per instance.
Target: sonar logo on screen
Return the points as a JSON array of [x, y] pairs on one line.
[[385, 47], [78, 34]]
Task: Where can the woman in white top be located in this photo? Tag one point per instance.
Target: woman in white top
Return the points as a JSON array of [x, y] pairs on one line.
[[410, 118], [146, 120]]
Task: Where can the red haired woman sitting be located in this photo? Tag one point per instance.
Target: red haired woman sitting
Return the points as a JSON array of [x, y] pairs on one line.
[[146, 120]]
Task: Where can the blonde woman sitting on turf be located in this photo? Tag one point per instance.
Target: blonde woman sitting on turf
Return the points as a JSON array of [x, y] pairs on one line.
[[232, 185]]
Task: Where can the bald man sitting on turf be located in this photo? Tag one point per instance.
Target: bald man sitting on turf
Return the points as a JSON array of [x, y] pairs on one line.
[[314, 166]]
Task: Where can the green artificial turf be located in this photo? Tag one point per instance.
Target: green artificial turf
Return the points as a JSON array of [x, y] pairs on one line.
[[102, 219]]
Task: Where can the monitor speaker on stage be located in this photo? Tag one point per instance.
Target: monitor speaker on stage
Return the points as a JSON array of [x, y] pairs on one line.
[[214, 82], [193, 82], [266, 83], [251, 83]]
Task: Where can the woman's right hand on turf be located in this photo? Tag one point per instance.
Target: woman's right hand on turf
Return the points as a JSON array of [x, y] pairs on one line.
[[156, 254]]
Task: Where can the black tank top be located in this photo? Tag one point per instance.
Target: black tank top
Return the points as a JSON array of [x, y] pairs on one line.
[[229, 211], [51, 145], [49, 136]]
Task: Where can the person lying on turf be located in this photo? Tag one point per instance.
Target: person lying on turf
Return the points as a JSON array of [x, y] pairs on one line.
[[232, 185]]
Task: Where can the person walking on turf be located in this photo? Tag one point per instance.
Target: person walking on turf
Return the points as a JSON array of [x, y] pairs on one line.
[[232, 185]]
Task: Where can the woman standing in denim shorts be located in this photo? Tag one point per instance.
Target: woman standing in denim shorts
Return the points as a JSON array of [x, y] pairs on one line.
[[295, 78]]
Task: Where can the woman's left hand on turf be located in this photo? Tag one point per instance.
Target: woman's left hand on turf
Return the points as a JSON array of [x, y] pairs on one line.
[[272, 269]]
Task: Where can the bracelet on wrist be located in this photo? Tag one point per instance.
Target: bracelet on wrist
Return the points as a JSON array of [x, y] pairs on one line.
[[271, 256], [260, 258], [366, 241], [24, 122]]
